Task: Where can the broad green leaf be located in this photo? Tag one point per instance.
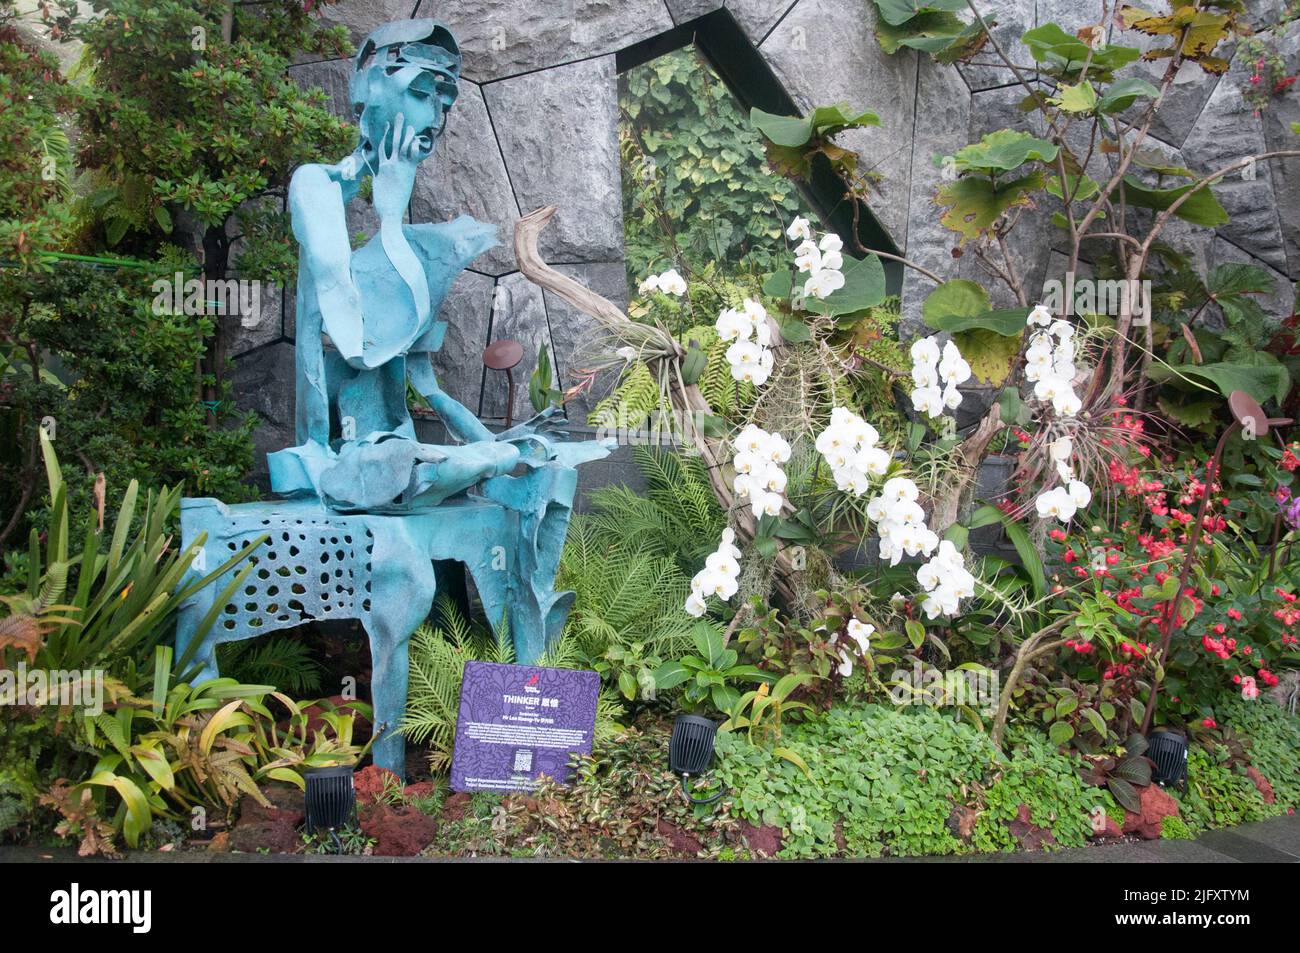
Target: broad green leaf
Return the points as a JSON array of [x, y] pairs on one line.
[[1264, 383], [795, 131], [864, 287], [959, 298], [897, 12], [1121, 94], [1079, 98], [1065, 54], [975, 203], [1002, 151], [1201, 208], [989, 353], [1060, 732]]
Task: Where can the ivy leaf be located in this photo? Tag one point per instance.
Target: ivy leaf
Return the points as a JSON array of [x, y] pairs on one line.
[[1201, 208], [975, 203], [1002, 151]]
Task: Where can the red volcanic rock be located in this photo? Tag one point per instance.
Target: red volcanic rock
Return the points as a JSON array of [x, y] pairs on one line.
[[371, 781], [1156, 805], [456, 806], [273, 828], [681, 841], [1262, 783], [764, 841], [398, 833]]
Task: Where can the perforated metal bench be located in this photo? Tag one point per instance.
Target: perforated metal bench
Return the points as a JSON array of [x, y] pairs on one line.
[[319, 564]]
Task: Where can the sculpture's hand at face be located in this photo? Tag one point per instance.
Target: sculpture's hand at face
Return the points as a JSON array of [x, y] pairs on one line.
[[399, 154]]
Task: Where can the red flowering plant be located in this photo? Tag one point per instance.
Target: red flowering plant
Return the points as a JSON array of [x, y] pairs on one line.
[[1235, 622]]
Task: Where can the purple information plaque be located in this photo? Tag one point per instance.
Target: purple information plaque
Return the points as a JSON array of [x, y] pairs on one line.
[[518, 722]]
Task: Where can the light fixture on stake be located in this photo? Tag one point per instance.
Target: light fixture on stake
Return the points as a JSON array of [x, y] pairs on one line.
[[690, 752], [1168, 752]]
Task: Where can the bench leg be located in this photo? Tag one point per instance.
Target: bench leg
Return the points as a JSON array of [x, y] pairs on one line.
[[403, 592]]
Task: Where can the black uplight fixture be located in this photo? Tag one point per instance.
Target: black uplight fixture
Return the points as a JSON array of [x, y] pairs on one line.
[[690, 752], [1168, 752], [330, 798]]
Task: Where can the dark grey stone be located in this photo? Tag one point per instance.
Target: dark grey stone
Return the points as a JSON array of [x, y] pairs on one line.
[[467, 176], [468, 311], [825, 51], [1285, 173], [1014, 18], [558, 131], [1225, 131], [941, 129], [243, 333], [518, 312], [331, 77], [263, 382]]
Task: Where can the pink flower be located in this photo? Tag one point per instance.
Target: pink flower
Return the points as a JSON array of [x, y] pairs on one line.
[[1249, 691]]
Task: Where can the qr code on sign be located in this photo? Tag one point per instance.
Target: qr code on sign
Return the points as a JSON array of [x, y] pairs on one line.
[[523, 760]]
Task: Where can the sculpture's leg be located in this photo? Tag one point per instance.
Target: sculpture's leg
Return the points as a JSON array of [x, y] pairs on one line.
[[538, 612], [403, 587], [491, 571]]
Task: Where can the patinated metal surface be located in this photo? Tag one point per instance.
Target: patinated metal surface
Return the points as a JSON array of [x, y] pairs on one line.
[[368, 506]]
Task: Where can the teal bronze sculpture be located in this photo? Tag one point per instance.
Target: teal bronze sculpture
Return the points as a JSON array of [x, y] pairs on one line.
[[367, 506]]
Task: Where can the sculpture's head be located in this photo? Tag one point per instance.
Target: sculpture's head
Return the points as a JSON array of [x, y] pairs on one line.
[[411, 67]]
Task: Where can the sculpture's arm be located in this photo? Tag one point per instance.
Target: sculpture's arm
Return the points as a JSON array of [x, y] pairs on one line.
[[316, 199], [460, 420]]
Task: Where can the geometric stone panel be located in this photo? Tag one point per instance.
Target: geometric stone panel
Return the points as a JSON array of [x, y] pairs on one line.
[[558, 131], [825, 51], [755, 17], [941, 129], [466, 176], [574, 335], [1226, 131], [458, 364], [506, 39], [262, 382]]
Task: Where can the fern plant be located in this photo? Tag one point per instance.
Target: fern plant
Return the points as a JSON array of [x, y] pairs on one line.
[[282, 661], [677, 516]]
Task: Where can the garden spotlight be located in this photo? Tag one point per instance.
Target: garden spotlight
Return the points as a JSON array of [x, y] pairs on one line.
[[690, 752]]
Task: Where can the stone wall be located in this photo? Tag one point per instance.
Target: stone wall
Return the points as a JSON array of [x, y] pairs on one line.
[[536, 124]]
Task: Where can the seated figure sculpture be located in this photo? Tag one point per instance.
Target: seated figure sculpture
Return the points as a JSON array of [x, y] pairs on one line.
[[368, 506]]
